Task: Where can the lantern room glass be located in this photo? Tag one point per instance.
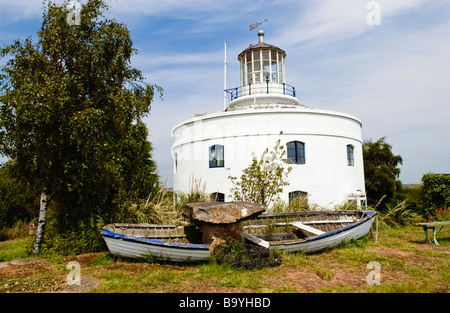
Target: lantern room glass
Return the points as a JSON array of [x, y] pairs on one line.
[[262, 65]]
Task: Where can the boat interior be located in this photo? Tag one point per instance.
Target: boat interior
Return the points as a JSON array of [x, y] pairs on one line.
[[280, 227]]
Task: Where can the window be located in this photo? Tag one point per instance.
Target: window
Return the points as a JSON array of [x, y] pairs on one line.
[[266, 65], [273, 62], [175, 167], [216, 156], [297, 195], [358, 198], [257, 66], [217, 197], [296, 152], [350, 156], [249, 68]]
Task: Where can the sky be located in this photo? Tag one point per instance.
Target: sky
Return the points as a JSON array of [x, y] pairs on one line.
[[386, 62]]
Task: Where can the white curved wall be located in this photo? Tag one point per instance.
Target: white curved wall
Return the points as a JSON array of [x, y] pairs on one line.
[[325, 175]]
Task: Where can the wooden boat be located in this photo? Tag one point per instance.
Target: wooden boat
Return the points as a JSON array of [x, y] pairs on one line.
[[309, 231], [161, 242]]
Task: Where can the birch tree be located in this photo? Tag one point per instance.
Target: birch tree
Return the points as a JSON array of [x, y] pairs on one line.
[[71, 114]]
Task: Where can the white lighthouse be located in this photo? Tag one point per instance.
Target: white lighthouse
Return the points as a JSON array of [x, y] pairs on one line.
[[324, 148]]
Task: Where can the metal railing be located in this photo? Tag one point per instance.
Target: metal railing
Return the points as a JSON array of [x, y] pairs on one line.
[[262, 88]]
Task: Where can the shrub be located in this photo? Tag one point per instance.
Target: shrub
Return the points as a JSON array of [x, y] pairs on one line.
[[264, 178], [436, 193], [442, 214], [414, 197], [19, 230], [398, 215], [83, 238]]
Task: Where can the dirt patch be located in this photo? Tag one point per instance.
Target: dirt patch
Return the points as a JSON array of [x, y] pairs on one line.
[[301, 280], [349, 278], [392, 253], [86, 284], [308, 280], [21, 268], [86, 259], [38, 275]]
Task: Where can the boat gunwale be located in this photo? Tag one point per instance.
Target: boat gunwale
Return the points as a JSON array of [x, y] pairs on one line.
[[366, 215], [153, 242], [364, 219]]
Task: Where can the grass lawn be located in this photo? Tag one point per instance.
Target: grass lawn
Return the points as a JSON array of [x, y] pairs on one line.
[[405, 265]]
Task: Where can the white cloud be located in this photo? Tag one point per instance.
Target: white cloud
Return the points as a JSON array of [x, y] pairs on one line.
[[20, 9], [179, 8], [333, 20]]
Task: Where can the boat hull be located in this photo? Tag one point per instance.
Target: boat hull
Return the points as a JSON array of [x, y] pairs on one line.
[[141, 248], [129, 246], [330, 239]]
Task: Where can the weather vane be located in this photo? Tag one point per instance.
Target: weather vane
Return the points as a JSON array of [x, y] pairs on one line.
[[255, 25]]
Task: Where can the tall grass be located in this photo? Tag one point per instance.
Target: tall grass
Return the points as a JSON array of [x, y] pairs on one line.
[[295, 205], [157, 209], [397, 215], [442, 214], [19, 230], [166, 207]]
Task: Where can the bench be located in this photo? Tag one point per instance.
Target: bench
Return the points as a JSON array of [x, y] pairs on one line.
[[433, 225]]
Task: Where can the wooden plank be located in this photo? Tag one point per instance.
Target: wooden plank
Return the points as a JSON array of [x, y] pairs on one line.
[[434, 224], [257, 240], [310, 229], [329, 222]]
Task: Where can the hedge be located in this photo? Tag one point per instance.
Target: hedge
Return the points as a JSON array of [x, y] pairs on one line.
[[436, 193]]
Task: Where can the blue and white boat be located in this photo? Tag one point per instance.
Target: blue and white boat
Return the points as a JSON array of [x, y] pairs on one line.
[[160, 242], [308, 231]]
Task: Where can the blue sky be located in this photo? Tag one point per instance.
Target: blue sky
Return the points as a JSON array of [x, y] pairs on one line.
[[394, 76]]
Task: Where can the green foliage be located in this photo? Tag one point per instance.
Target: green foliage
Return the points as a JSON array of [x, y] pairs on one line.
[[414, 197], [15, 249], [163, 206], [354, 243], [296, 204], [442, 214], [71, 115], [346, 206], [244, 255], [84, 237], [397, 215], [381, 172], [18, 230], [234, 246], [197, 192], [436, 193], [264, 178], [18, 201]]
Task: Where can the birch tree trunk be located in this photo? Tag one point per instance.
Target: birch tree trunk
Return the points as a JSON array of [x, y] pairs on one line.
[[41, 224]]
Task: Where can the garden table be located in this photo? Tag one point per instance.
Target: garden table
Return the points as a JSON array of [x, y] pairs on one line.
[[433, 225]]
